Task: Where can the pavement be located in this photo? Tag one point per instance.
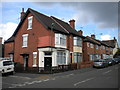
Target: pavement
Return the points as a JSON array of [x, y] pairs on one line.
[[82, 78]]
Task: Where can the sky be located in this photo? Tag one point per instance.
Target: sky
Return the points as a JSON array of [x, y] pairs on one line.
[[99, 18]]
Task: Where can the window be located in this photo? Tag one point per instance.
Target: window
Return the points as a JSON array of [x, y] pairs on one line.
[[91, 57], [60, 39], [96, 46], [91, 45], [30, 22], [88, 44], [6, 63], [25, 40], [111, 49], [103, 47], [77, 57], [77, 41], [34, 59], [61, 58]]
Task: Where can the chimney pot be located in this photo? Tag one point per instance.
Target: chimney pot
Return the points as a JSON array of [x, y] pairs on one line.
[[72, 23], [22, 13], [93, 36], [80, 32]]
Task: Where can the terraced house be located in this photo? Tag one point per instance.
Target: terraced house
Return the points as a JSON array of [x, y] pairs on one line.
[[41, 42]]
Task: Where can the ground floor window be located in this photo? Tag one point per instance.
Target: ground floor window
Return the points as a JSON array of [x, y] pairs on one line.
[[91, 57], [77, 57], [61, 58], [34, 58]]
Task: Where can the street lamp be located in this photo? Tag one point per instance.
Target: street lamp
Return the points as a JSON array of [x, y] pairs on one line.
[[52, 24]]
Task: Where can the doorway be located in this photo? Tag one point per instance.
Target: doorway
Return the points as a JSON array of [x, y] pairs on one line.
[[47, 63], [25, 58]]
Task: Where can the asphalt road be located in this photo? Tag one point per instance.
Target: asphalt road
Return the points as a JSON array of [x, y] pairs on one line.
[[82, 78]]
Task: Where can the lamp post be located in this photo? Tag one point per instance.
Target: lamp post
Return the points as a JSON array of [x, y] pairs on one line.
[[52, 24]]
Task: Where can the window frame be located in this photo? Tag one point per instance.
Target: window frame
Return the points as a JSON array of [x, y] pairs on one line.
[[30, 22], [34, 59], [25, 42]]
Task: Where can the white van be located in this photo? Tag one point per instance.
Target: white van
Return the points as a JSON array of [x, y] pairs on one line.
[[6, 66]]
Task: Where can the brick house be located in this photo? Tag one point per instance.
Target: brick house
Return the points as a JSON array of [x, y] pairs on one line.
[[41, 42], [96, 49], [114, 45]]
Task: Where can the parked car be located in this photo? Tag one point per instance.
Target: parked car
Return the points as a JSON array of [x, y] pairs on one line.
[[100, 63], [117, 60], [110, 61], [6, 66]]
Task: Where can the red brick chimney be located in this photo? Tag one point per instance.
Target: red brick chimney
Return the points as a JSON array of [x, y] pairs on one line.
[[1, 40], [93, 36], [72, 23], [22, 13], [80, 32]]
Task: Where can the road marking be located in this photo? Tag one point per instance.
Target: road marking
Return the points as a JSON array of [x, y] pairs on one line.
[[107, 72], [20, 77], [83, 81], [46, 80]]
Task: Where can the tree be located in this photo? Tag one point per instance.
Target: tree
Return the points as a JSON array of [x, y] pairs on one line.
[[117, 53]]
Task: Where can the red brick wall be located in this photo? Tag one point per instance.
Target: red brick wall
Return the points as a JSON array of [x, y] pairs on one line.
[[70, 43], [38, 36], [8, 47]]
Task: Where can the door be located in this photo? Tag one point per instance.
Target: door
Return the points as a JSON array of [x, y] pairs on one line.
[[25, 62], [47, 63]]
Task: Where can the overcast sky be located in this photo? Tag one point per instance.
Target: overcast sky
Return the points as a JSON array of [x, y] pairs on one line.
[[91, 17]]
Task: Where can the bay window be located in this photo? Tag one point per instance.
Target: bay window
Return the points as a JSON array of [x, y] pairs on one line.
[[61, 58], [77, 41], [77, 57], [60, 39]]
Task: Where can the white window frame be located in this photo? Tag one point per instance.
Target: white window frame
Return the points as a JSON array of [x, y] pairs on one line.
[[91, 45], [60, 39], [25, 42], [77, 41], [30, 22], [61, 58], [34, 59]]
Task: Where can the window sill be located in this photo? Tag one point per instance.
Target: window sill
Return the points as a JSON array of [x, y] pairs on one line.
[[29, 28], [24, 46], [34, 66]]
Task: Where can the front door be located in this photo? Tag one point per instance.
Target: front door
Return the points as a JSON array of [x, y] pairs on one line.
[[47, 63], [25, 62]]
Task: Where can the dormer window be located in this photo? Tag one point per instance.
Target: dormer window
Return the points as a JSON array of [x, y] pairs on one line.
[[30, 22]]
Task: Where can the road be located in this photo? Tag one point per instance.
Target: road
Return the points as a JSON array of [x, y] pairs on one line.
[[82, 78]]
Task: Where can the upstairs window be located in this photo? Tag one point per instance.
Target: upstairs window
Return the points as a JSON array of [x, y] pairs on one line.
[[25, 40], [60, 39], [77, 41], [30, 22], [91, 45], [96, 46]]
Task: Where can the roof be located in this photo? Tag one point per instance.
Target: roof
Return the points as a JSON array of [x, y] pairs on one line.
[[89, 39], [59, 25], [11, 39], [45, 20], [110, 42], [66, 26]]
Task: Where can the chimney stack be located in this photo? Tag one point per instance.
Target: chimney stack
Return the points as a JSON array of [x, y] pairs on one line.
[[1, 40], [80, 32], [93, 36], [72, 23], [22, 13]]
